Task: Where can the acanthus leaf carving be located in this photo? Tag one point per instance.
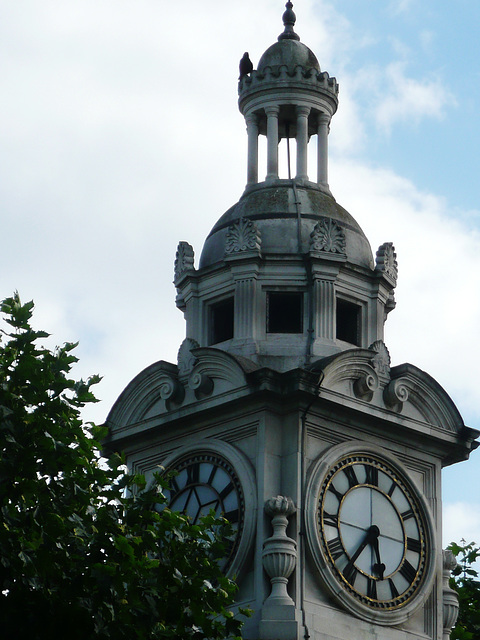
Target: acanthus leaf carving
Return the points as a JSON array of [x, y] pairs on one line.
[[381, 361], [242, 235], [185, 358], [386, 261], [184, 259], [327, 236]]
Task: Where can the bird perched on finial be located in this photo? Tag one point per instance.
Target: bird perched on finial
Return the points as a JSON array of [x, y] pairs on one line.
[[246, 65]]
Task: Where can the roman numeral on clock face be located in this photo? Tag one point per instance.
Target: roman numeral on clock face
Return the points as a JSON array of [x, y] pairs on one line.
[[372, 589], [393, 589], [335, 548], [212, 474], [371, 474], [232, 516], [330, 519], [174, 488], [350, 573], [335, 492], [349, 471], [226, 490], [193, 473], [392, 489], [408, 572], [414, 545]]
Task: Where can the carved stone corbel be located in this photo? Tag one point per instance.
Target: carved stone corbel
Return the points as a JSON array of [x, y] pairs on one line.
[[395, 394], [364, 386], [172, 390], [201, 384], [279, 551], [450, 597]]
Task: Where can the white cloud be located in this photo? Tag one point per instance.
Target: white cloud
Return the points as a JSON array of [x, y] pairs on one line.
[[437, 317], [427, 39], [461, 520], [400, 6], [404, 99]]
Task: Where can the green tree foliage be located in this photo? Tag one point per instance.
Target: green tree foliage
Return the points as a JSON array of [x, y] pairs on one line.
[[466, 584], [85, 551]]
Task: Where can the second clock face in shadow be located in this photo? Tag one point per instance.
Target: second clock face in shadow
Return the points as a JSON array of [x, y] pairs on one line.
[[204, 482]]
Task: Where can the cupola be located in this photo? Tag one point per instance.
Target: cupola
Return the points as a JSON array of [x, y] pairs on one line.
[[289, 97], [286, 275]]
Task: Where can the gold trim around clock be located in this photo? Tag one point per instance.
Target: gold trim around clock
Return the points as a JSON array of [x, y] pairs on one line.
[[370, 533]]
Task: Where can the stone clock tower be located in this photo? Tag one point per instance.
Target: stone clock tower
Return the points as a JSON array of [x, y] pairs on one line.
[[283, 410]]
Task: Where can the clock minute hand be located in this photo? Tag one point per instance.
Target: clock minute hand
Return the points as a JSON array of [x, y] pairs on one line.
[[372, 534]]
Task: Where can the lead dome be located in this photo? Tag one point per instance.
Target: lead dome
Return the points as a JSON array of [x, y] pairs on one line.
[[288, 51], [274, 210]]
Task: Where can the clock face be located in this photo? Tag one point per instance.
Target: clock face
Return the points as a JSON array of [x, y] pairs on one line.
[[206, 481], [372, 532]]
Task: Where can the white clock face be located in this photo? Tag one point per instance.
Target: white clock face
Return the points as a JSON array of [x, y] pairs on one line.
[[372, 532]]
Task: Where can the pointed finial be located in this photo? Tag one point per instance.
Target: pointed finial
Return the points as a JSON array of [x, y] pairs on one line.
[[289, 19]]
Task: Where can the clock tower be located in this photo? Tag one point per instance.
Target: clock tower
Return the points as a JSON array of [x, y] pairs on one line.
[[283, 410]]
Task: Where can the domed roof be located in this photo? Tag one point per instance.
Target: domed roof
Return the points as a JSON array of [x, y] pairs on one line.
[[276, 211], [290, 53]]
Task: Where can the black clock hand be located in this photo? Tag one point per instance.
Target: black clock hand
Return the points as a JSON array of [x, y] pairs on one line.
[[371, 535], [379, 567]]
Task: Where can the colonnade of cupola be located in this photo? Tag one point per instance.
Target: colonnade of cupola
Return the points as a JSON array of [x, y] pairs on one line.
[[287, 97], [288, 121]]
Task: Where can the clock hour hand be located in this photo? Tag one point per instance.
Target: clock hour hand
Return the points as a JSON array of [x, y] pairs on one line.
[[371, 535], [378, 567]]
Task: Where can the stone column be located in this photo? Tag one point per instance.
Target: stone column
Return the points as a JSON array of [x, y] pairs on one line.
[[324, 305], [302, 141], [245, 305], [252, 159], [322, 149], [272, 142]]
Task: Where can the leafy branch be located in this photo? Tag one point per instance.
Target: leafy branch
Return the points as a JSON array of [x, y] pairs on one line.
[[85, 552]]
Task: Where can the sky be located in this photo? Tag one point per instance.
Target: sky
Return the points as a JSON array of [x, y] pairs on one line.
[[120, 136]]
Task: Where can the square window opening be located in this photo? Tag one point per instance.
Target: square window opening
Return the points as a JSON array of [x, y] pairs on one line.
[[284, 312], [348, 322], [221, 321]]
